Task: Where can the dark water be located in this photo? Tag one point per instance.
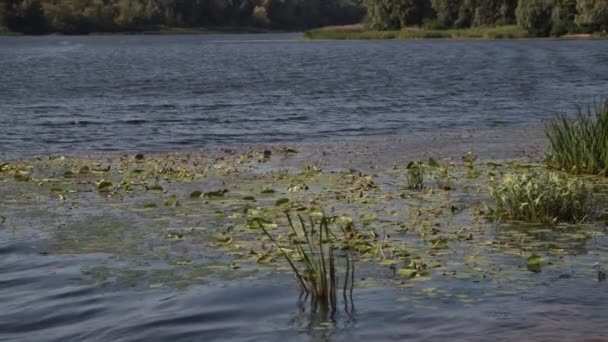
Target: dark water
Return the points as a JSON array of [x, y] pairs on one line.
[[44, 299], [75, 94]]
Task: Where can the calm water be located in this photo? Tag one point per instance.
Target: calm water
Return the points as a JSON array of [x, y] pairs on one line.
[[116, 93]]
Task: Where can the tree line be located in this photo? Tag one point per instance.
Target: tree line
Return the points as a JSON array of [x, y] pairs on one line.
[[538, 17], [85, 16]]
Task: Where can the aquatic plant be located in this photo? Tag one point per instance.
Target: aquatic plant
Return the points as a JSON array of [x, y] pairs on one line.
[[542, 198], [580, 145], [415, 175], [317, 274], [441, 174]]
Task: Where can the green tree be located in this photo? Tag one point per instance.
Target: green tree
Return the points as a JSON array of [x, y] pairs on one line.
[[26, 16], [395, 14], [535, 16], [447, 12], [592, 14]]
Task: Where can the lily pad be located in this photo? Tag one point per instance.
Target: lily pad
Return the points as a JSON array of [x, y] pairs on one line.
[[104, 185], [156, 188], [172, 201], [282, 201], [196, 194], [215, 194], [534, 263]]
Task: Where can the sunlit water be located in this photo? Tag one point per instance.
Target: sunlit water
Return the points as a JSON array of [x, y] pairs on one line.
[[117, 93], [113, 93]]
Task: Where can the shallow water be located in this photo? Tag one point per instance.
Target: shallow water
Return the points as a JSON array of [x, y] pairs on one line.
[[100, 266], [155, 93]]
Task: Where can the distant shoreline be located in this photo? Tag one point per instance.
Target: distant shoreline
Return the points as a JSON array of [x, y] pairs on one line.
[[163, 30], [510, 32]]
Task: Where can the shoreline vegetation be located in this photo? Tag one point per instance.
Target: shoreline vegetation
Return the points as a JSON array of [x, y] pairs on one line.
[[505, 32], [319, 19], [163, 30]]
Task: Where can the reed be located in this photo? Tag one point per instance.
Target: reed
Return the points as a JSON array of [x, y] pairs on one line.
[[315, 269], [415, 175], [580, 145]]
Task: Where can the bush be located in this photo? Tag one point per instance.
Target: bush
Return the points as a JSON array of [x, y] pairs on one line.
[[580, 145], [542, 198]]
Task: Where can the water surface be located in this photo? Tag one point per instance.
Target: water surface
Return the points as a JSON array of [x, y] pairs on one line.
[[94, 267], [115, 93]]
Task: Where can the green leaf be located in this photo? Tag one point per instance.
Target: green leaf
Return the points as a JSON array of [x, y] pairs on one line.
[[407, 272], [139, 156], [104, 185], [289, 150], [196, 194], [156, 188], [2, 219], [534, 263], [268, 191], [172, 202], [282, 201], [84, 170], [433, 163], [22, 176], [150, 205], [254, 224], [224, 239], [215, 194], [368, 218], [183, 262], [265, 258]]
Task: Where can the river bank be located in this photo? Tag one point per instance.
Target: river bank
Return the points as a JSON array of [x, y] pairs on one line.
[[359, 32], [163, 30]]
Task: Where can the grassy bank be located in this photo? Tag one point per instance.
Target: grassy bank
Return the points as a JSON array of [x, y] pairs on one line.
[[166, 30], [360, 33]]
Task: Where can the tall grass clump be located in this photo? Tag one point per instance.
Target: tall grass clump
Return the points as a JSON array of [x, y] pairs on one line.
[[542, 198], [314, 260], [580, 145], [415, 175]]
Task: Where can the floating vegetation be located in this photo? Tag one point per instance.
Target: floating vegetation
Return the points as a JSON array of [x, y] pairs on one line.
[[441, 174], [542, 198], [179, 212], [534, 263], [580, 145]]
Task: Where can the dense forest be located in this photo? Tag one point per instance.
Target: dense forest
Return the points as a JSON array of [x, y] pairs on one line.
[[538, 17], [84, 16]]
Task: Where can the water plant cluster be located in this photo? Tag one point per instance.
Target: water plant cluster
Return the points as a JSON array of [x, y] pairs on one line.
[[580, 144], [176, 220], [543, 198], [314, 248]]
